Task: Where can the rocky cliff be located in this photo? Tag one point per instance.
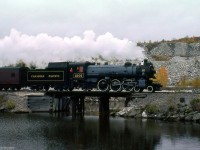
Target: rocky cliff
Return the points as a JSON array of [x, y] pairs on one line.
[[181, 59]]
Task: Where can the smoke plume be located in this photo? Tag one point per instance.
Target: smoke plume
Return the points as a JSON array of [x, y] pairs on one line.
[[43, 48]]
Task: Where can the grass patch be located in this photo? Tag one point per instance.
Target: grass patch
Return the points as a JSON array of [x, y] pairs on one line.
[[152, 108], [195, 104], [10, 105], [172, 108]]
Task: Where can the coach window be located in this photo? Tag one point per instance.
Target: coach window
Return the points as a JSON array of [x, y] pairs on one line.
[[13, 75]]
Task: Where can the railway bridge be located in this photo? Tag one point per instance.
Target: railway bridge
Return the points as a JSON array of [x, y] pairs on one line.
[[77, 99]]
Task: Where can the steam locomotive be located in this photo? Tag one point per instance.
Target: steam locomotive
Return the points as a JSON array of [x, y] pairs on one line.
[[84, 75]]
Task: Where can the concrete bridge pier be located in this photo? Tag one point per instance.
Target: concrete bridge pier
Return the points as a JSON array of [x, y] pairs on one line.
[[104, 106]]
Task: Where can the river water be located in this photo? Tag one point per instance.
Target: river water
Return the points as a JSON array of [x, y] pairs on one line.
[[53, 132]]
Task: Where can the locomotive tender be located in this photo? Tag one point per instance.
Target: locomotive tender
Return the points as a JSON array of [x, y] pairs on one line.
[[85, 75]]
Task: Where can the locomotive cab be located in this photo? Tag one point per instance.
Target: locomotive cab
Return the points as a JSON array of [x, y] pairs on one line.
[[77, 74]]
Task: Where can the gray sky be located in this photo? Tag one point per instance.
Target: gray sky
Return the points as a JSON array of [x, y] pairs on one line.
[[60, 27]]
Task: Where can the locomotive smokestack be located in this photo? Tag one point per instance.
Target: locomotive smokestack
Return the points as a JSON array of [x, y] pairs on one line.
[[145, 62]]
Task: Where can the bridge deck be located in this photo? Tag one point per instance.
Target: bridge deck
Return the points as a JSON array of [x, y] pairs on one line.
[[95, 94]]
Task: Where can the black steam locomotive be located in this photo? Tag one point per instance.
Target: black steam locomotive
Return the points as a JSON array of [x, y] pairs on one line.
[[84, 75]]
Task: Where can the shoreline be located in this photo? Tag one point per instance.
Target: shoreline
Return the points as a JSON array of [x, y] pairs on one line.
[[161, 106]]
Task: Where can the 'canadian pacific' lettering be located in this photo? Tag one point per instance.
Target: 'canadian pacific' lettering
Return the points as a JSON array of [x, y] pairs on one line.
[[37, 76], [54, 76]]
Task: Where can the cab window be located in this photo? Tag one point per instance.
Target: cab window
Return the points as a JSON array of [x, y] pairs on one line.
[[80, 69]]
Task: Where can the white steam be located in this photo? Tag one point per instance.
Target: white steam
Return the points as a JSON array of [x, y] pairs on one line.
[[42, 48]]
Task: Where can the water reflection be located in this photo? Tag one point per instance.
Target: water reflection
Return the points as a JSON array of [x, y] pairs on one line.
[[44, 131]]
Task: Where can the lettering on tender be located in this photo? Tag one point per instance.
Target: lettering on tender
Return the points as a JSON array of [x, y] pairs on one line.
[[54, 76], [37, 76]]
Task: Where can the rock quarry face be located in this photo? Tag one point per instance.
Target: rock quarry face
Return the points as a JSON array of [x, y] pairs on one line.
[[175, 49], [180, 59]]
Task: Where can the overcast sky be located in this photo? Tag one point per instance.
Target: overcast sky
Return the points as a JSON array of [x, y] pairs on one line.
[[58, 30]]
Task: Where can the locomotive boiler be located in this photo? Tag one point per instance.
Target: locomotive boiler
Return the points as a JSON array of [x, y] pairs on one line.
[[128, 77]]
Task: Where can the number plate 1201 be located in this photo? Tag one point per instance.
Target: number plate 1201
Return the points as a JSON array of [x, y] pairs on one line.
[[78, 75]]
